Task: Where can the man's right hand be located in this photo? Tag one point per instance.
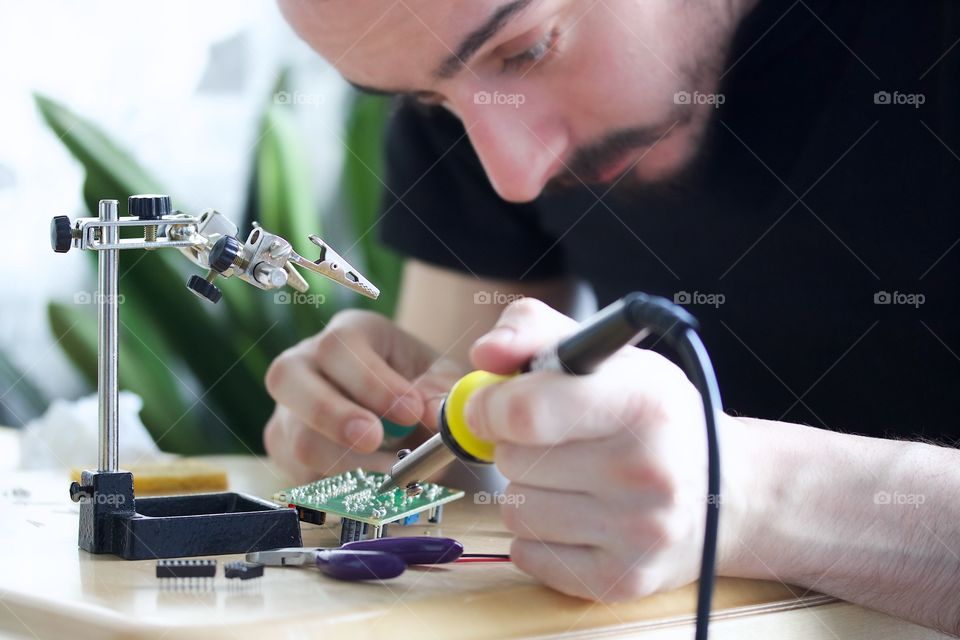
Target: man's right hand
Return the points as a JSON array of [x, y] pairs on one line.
[[333, 388]]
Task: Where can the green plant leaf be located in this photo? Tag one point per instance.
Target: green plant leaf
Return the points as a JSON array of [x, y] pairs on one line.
[[286, 207], [166, 413], [95, 151], [363, 174]]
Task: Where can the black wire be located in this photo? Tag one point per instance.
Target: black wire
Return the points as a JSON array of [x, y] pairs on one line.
[[679, 329], [699, 368]]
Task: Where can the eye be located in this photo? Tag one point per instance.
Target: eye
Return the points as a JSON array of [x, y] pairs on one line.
[[532, 55]]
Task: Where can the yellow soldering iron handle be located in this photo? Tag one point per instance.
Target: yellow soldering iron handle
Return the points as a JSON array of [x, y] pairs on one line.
[[453, 423]]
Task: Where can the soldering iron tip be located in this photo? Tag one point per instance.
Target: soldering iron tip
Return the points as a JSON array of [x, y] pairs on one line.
[[387, 485]]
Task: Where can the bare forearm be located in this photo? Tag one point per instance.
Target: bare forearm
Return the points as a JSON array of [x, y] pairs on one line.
[[449, 310], [872, 521]]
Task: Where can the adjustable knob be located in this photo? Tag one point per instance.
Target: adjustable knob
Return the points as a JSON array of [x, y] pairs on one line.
[[149, 206], [204, 289], [223, 253], [61, 234], [79, 492]]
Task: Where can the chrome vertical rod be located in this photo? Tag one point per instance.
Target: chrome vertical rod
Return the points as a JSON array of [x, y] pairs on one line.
[[108, 352]]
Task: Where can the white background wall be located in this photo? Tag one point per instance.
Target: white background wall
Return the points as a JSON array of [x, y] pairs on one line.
[[180, 84]]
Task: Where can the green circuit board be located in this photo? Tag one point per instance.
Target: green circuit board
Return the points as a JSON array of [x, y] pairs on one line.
[[353, 494]]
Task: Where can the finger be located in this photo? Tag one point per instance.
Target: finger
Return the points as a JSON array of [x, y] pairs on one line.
[[570, 466], [587, 572], [552, 516], [323, 408], [525, 326], [630, 463], [547, 407], [308, 455], [356, 368], [276, 443], [434, 385], [566, 568]]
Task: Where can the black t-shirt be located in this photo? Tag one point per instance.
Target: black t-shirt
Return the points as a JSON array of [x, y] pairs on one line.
[[818, 242]]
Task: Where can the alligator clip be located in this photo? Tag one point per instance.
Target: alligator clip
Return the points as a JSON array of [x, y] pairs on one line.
[[331, 265]]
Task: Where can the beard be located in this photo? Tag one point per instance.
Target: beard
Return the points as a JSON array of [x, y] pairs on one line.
[[588, 164]]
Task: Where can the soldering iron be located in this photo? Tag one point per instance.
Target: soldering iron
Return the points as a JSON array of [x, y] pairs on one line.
[[625, 322]]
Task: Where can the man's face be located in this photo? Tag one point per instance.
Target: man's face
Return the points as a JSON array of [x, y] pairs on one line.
[[549, 91]]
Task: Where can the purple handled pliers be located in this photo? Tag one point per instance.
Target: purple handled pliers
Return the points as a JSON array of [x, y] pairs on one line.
[[377, 559]]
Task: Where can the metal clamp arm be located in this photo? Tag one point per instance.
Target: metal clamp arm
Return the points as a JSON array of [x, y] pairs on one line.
[[331, 265]]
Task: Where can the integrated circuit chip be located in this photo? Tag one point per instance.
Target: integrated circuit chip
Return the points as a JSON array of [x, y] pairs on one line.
[[186, 568], [242, 570], [353, 495]]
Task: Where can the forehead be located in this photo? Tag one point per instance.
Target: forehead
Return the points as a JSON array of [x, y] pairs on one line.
[[385, 43]]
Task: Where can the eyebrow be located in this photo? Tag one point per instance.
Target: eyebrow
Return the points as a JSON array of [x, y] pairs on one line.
[[470, 44], [373, 91], [388, 93], [478, 37]]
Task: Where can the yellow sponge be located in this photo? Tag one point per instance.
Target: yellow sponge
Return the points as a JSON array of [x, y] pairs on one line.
[[175, 476]]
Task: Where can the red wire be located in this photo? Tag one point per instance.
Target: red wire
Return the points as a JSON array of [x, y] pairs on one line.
[[480, 557]]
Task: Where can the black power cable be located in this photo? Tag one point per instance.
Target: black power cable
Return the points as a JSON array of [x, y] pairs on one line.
[[679, 329], [698, 366]]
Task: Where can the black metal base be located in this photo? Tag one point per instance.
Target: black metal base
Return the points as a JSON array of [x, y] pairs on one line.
[[113, 521]]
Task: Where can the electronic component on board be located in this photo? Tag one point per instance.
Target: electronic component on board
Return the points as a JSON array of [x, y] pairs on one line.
[[186, 568], [353, 496]]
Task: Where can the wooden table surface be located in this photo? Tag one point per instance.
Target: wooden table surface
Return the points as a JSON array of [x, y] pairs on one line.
[[51, 589]]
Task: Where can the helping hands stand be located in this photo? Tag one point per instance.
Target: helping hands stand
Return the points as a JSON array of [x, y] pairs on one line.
[[112, 520]]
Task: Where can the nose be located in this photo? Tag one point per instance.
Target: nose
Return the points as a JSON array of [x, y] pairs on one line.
[[520, 142]]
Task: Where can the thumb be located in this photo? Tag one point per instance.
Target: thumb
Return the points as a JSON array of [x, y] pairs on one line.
[[434, 384], [525, 326]]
